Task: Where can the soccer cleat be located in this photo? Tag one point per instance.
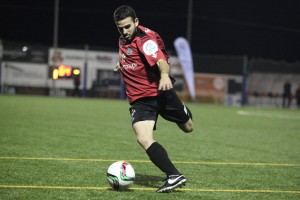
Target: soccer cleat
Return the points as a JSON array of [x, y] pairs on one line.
[[172, 182]]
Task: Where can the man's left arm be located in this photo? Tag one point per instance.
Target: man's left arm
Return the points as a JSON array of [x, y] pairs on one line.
[[165, 82]]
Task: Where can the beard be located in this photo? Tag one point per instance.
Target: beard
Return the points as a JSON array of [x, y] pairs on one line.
[[131, 36]]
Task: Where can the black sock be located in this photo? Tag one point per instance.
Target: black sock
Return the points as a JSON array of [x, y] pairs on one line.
[[159, 156]]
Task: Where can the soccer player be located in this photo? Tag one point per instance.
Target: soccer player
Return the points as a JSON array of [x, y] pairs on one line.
[[143, 63]]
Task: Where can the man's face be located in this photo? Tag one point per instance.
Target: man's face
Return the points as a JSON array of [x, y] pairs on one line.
[[127, 27]]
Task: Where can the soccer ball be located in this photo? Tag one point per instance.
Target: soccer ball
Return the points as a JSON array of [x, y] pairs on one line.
[[120, 175]]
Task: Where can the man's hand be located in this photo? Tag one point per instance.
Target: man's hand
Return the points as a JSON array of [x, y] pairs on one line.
[[165, 82], [118, 67]]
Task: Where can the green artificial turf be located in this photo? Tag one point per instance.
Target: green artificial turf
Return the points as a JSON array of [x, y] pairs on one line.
[[60, 148]]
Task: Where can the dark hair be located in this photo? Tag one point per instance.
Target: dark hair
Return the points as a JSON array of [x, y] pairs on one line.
[[123, 12]]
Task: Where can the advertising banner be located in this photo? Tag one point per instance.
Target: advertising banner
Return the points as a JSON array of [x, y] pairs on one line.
[[185, 57], [210, 88]]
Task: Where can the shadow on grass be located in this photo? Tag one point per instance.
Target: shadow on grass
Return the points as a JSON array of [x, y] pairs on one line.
[[114, 190], [148, 180], [151, 181]]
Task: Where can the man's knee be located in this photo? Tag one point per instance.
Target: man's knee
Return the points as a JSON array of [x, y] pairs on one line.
[[145, 142], [187, 127]]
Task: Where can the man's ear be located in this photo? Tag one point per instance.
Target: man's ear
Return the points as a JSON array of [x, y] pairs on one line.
[[136, 21]]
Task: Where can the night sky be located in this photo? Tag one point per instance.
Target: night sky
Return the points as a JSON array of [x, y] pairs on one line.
[[257, 28]]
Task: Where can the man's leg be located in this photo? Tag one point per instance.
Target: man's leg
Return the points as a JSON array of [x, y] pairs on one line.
[[157, 153], [188, 126], [144, 133], [174, 110]]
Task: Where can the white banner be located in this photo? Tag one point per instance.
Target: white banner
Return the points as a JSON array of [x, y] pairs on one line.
[[185, 57], [24, 74], [74, 57]]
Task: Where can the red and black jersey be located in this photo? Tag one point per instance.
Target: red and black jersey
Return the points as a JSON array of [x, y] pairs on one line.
[[138, 60]]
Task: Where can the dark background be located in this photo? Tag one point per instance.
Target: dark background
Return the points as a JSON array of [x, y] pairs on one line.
[[256, 28]]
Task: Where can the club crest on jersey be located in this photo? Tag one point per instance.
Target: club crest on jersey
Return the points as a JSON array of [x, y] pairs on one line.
[[150, 48], [129, 51]]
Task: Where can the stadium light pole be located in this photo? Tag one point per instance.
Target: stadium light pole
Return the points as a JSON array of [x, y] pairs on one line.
[[85, 71], [244, 81], [55, 29], [55, 38], [1, 55], [189, 21]]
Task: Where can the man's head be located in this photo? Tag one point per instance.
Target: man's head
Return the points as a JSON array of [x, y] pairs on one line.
[[126, 21]]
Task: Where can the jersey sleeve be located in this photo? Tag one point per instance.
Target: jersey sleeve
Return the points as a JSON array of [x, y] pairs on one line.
[[152, 51]]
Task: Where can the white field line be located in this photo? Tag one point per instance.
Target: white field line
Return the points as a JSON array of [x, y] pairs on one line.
[[270, 115]]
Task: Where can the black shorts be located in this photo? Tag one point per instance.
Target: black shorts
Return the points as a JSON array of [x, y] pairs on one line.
[[167, 105]]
